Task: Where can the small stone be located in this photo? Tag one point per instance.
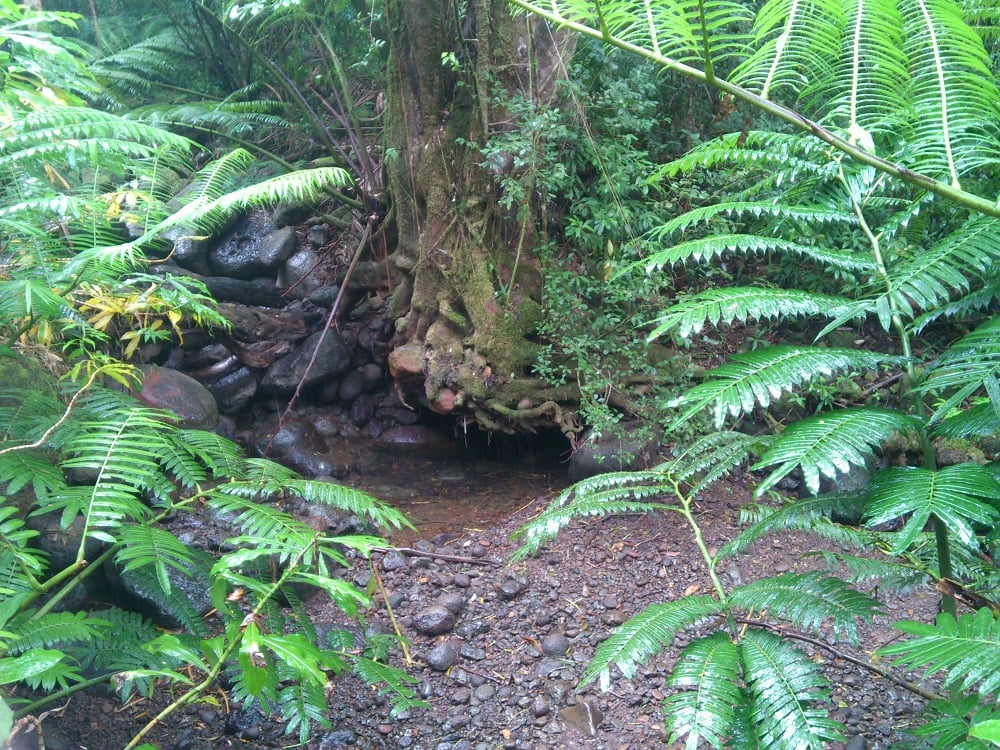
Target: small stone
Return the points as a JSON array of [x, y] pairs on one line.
[[454, 603], [510, 588], [393, 561], [555, 644], [539, 707], [442, 656], [434, 620], [462, 580]]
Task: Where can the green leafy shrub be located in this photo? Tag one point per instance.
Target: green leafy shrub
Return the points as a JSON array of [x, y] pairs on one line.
[[140, 470]]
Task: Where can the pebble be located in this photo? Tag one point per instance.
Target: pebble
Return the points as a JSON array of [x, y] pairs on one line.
[[442, 656], [434, 620], [555, 644], [511, 588]]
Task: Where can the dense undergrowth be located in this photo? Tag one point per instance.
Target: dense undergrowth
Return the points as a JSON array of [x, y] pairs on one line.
[[657, 240]]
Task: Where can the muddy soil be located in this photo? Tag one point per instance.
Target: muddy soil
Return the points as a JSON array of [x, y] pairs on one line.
[[507, 674]]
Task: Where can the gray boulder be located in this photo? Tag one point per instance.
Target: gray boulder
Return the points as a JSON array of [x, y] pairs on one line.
[[332, 359], [253, 249], [628, 446], [185, 397]]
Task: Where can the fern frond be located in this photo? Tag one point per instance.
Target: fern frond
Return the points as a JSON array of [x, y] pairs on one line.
[[810, 514], [979, 421], [55, 629], [930, 278], [39, 669], [712, 456], [964, 368], [958, 496], [783, 682], [951, 79], [966, 306], [887, 575], [740, 304], [780, 212], [968, 649], [646, 634], [717, 245], [122, 645], [144, 582], [708, 671], [268, 529], [807, 600], [758, 377], [602, 495], [144, 545], [831, 443], [394, 683], [302, 704], [350, 500]]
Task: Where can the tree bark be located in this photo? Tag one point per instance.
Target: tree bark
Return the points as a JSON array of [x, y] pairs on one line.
[[469, 286]]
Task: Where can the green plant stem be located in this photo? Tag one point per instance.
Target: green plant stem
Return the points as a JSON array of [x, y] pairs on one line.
[[685, 510], [961, 197], [192, 693], [76, 687]]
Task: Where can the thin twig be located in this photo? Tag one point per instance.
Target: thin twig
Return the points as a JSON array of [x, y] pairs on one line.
[[392, 615]]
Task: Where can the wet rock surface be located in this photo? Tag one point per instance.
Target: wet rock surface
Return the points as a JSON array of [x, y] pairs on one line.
[[499, 650]]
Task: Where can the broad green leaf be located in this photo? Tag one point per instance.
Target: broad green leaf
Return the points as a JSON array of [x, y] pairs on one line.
[[958, 496], [708, 671]]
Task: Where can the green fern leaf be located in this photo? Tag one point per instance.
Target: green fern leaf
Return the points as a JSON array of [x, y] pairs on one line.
[[717, 245], [783, 213], [350, 500], [964, 368], [38, 668], [810, 514], [979, 421], [758, 377], [142, 545], [602, 495], [968, 649], [708, 671], [783, 682], [54, 629], [712, 456], [646, 634], [303, 705], [394, 683], [729, 305], [831, 443], [958, 496], [887, 575], [808, 600]]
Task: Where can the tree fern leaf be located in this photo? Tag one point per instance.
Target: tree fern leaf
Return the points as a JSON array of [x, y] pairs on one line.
[[54, 629], [807, 600], [958, 496], [176, 601], [745, 210], [758, 377], [965, 306], [831, 443], [350, 500], [931, 277], [144, 545], [269, 529], [979, 421], [964, 367], [707, 248], [303, 704], [603, 495], [810, 514], [968, 649], [783, 682], [712, 456], [729, 305], [888, 575], [393, 682], [708, 671], [646, 634]]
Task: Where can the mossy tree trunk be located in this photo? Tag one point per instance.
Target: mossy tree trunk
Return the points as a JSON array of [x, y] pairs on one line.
[[469, 287]]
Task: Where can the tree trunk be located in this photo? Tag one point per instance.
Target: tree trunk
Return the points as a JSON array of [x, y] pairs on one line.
[[469, 288]]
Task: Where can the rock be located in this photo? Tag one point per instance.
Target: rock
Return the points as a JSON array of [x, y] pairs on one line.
[[419, 440], [351, 386], [442, 656], [296, 274], [190, 249], [511, 588], [27, 373], [454, 603], [185, 397], [182, 606], [371, 377], [434, 620], [631, 445], [235, 390], [333, 358], [362, 410], [318, 236], [406, 362], [555, 644], [252, 249], [325, 296]]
